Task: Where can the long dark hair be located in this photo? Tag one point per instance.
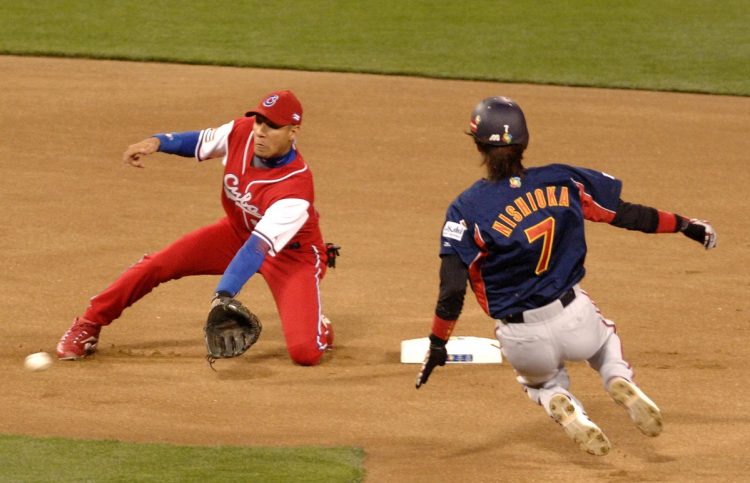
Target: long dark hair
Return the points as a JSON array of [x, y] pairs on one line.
[[502, 161]]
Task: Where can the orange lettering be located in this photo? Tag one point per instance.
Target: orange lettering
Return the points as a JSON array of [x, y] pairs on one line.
[[499, 227], [512, 212], [531, 201], [564, 201], [551, 199], [507, 220], [540, 198], [521, 204]]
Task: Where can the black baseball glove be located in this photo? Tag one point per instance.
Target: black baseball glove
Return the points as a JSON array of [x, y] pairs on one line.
[[231, 329]]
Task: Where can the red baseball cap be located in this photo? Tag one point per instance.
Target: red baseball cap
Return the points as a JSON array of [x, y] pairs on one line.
[[280, 107]]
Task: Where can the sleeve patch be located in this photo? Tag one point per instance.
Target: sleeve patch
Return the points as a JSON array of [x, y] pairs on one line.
[[454, 230], [213, 143]]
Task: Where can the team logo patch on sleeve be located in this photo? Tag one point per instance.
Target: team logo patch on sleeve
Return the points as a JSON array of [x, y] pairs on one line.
[[454, 230]]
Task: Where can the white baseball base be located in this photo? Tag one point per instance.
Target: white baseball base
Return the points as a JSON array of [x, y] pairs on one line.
[[461, 349]]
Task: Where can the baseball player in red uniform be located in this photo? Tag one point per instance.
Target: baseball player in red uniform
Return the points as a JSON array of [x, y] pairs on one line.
[[270, 227], [518, 237]]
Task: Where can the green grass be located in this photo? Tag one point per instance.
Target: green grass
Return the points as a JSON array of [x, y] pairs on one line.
[[682, 45], [62, 460]]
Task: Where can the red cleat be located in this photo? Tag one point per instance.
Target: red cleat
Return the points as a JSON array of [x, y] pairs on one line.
[[79, 341]]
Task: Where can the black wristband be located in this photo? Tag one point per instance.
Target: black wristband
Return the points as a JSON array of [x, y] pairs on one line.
[[682, 223], [435, 340]]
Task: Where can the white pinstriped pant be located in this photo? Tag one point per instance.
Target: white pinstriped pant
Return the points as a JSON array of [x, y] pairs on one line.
[[551, 335]]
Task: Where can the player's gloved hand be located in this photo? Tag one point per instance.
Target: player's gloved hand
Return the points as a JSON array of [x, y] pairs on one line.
[[230, 328], [220, 298], [700, 231], [332, 251], [436, 356]]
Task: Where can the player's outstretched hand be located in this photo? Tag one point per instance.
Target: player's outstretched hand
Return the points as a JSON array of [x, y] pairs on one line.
[[132, 155], [436, 356], [701, 231]]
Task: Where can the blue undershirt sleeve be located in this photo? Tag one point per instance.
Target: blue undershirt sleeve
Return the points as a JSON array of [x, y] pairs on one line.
[[180, 143], [244, 265]]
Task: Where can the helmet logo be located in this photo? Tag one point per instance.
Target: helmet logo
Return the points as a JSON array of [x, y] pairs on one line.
[[473, 125], [507, 136], [271, 101]]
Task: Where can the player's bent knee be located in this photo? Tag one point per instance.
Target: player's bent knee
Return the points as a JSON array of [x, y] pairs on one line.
[[305, 355]]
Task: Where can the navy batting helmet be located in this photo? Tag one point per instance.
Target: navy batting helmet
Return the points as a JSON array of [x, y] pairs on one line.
[[498, 121]]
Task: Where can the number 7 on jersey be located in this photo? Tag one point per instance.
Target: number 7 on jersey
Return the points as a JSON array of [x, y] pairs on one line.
[[545, 229]]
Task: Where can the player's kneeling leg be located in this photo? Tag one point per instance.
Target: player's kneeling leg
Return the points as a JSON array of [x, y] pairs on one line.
[[306, 347], [305, 354]]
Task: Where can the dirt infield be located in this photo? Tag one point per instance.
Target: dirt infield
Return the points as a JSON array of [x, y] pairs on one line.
[[388, 155]]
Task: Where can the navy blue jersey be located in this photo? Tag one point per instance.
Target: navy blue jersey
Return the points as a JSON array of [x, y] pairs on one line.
[[522, 239]]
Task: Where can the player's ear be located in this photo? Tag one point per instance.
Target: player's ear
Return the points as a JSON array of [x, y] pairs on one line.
[[293, 132]]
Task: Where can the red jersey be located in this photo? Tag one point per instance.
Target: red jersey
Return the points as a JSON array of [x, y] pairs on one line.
[[275, 203]]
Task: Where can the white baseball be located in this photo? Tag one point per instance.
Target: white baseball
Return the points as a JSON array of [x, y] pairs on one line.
[[39, 361]]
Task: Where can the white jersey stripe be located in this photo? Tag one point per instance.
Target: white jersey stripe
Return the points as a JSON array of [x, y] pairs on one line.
[[321, 326], [260, 181]]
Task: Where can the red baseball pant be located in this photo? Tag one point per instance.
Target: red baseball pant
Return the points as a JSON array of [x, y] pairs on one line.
[[293, 277]]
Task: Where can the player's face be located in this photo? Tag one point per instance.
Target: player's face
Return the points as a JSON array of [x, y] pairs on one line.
[[272, 140]]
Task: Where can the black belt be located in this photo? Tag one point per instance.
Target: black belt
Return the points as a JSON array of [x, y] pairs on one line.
[[517, 318]]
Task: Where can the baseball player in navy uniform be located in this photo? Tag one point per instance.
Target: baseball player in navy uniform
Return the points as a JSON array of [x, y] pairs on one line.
[[270, 227], [518, 237]]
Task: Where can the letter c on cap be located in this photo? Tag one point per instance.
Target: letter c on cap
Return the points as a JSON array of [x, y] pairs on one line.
[[271, 100]]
